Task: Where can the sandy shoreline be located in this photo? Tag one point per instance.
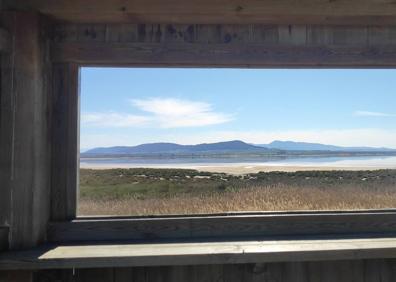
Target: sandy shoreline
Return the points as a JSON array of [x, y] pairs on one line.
[[240, 169], [255, 169]]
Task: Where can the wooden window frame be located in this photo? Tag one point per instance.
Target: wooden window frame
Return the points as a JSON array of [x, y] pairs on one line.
[[68, 57]]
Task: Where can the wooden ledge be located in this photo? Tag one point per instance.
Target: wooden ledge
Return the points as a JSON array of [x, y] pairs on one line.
[[188, 253], [226, 227]]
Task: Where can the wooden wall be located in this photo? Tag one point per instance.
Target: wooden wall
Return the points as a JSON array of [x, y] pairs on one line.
[[326, 271], [38, 174], [25, 131], [65, 160]]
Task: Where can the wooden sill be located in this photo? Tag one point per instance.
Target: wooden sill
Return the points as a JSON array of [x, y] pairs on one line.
[[222, 227], [191, 253]]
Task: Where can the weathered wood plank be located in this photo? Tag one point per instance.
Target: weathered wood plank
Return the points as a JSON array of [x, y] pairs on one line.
[[5, 40], [201, 55], [197, 253], [24, 133], [234, 273], [97, 275], [286, 35], [225, 45], [221, 12], [16, 276], [373, 270], [4, 231], [6, 114], [65, 141], [123, 274], [223, 227]]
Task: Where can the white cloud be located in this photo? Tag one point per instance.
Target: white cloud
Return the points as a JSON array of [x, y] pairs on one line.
[[171, 106], [112, 119], [171, 113], [160, 112], [373, 114]]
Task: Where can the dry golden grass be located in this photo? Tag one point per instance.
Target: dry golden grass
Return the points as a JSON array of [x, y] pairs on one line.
[[259, 198]]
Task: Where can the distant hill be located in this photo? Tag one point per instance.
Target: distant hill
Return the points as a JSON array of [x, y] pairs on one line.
[[172, 148], [304, 146], [236, 146]]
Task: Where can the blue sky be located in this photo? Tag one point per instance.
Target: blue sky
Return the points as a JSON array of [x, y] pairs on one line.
[[125, 106]]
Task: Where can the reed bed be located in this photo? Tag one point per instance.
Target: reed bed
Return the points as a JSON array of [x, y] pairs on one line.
[[278, 197]]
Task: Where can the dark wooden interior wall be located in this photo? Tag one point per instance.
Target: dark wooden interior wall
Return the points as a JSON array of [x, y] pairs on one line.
[[25, 131], [380, 270]]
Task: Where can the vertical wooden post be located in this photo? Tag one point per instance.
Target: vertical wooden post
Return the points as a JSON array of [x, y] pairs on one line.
[[65, 141], [24, 133]]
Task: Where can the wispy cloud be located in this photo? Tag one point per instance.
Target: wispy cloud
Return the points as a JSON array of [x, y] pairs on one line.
[[160, 112], [113, 119], [373, 114], [171, 113]]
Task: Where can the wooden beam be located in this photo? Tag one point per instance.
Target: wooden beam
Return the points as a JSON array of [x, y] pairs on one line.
[[24, 133], [197, 253], [223, 227], [65, 141], [202, 55], [366, 12], [225, 45]]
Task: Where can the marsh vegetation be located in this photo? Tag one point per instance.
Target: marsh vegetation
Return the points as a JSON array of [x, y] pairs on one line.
[[142, 191]]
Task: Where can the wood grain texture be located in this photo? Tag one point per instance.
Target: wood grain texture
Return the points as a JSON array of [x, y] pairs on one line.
[[224, 227], [24, 138], [225, 45], [197, 253], [312, 35], [16, 276], [221, 11], [6, 114], [5, 40], [65, 141], [373, 270], [4, 231]]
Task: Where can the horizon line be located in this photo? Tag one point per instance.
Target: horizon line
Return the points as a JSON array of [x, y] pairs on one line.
[[238, 140]]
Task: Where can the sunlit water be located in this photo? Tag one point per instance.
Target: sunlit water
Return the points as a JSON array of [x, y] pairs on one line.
[[372, 162]]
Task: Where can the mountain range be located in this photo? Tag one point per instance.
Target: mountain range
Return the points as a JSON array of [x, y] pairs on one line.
[[234, 146], [172, 148], [304, 146]]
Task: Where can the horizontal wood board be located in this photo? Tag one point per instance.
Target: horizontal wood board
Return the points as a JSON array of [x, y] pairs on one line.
[[220, 11], [223, 227], [193, 253], [373, 270], [250, 45]]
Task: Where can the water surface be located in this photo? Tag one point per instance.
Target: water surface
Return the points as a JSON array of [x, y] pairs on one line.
[[374, 162]]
